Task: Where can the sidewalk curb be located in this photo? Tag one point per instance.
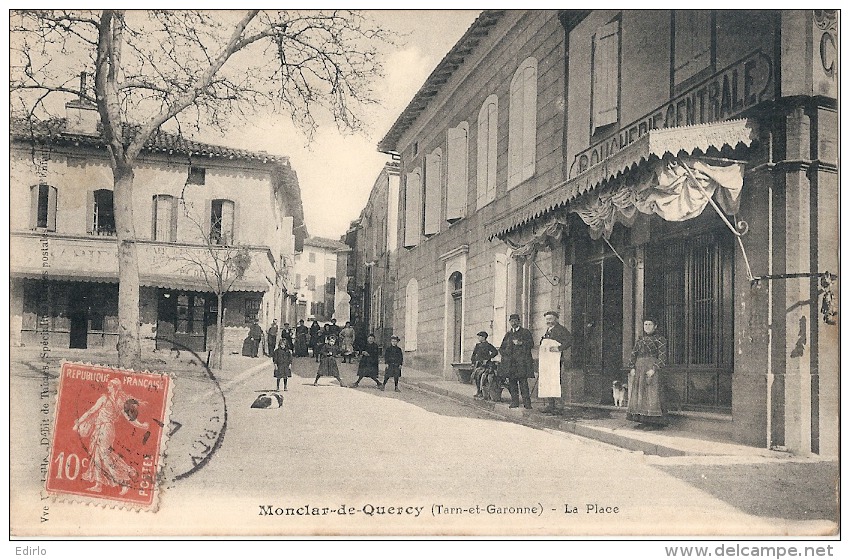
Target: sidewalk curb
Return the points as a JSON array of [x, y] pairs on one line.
[[537, 420]]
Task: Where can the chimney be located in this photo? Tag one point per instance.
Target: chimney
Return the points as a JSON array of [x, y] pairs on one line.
[[81, 116]]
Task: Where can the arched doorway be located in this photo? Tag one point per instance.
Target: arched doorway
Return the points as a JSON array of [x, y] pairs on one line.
[[456, 319]]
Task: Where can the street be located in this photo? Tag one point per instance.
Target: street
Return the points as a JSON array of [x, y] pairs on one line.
[[338, 460]]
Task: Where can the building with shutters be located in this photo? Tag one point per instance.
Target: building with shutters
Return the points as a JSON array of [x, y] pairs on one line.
[[316, 278], [685, 169], [372, 271], [189, 198]]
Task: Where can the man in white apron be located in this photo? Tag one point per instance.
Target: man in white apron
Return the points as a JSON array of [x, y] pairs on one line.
[[554, 344]]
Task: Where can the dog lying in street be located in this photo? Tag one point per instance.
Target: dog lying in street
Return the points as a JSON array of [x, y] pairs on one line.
[[620, 391]]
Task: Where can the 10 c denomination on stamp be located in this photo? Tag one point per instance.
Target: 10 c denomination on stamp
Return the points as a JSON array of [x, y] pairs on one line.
[[108, 435]]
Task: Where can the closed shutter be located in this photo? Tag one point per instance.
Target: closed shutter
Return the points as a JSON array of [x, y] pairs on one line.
[[233, 230], [606, 74], [481, 171], [529, 120], [51, 208], [516, 112], [457, 184], [90, 212], [173, 225], [491, 151], [433, 191], [34, 191], [413, 209]]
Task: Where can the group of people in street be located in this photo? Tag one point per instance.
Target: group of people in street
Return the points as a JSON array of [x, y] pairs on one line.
[[328, 343], [646, 404]]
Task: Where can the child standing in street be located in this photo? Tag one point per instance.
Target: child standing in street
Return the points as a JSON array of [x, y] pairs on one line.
[[482, 362], [327, 360], [282, 357], [393, 357], [369, 362]]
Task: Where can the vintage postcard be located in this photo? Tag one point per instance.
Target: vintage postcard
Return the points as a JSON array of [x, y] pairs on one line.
[[524, 273]]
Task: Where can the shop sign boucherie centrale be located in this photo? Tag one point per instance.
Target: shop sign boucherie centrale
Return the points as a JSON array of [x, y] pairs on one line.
[[724, 95]]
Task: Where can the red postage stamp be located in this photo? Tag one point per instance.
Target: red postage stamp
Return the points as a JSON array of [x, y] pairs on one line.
[[108, 435]]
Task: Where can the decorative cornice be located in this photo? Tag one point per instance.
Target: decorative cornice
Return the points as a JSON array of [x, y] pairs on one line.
[[457, 251]]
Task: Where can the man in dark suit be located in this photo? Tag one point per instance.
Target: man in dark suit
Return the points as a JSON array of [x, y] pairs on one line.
[[559, 333], [517, 364]]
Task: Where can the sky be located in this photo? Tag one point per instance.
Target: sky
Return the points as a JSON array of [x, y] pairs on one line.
[[336, 171]]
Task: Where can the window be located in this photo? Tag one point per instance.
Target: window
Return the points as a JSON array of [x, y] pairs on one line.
[[252, 309], [606, 75], [689, 292], [692, 52], [43, 207], [297, 281], [522, 128], [311, 257], [457, 181], [411, 314], [221, 222], [487, 129], [413, 208], [102, 213], [311, 282], [197, 176], [164, 218], [433, 191]]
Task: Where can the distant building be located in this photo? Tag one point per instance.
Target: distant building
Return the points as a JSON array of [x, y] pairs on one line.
[[187, 195], [316, 278], [373, 239]]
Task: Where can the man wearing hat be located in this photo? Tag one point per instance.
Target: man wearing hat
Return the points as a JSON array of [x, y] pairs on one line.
[[482, 361], [549, 385], [517, 364]]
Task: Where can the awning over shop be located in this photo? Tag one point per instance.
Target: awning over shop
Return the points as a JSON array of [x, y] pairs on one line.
[[150, 280], [651, 147]]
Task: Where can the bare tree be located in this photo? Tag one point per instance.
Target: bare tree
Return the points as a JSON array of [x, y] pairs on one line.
[[188, 68], [220, 265]]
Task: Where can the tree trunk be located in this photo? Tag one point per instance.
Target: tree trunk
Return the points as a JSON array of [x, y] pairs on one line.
[[129, 347], [218, 358]]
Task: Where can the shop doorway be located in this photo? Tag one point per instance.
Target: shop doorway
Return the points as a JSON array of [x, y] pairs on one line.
[[599, 326], [183, 320], [456, 287], [78, 316]]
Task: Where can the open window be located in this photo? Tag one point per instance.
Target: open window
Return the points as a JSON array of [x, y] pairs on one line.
[[101, 212], [221, 222], [43, 207]]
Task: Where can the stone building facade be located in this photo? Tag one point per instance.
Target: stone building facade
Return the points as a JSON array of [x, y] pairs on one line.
[[623, 164], [190, 200]]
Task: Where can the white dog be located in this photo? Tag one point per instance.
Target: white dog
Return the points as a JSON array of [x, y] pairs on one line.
[[620, 392]]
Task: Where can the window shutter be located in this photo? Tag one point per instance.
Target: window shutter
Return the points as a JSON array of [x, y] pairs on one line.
[[51, 208], [481, 175], [34, 206], [529, 121], [206, 222], [433, 191], [606, 61], [90, 212], [516, 115], [413, 209], [457, 184], [491, 152], [228, 212], [154, 217], [173, 226]]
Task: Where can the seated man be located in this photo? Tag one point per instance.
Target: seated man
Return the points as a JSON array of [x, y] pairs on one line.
[[482, 362]]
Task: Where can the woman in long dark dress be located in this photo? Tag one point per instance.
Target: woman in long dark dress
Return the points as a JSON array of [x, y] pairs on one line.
[[282, 357], [646, 389], [368, 366], [315, 329], [301, 340]]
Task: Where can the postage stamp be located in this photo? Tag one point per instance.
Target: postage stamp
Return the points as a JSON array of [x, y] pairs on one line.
[[109, 435]]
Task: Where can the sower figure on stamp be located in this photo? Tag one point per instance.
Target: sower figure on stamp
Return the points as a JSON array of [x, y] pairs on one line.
[[327, 360], [517, 364], [106, 465], [368, 366], [482, 362], [394, 358], [646, 388], [556, 339], [282, 358]]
